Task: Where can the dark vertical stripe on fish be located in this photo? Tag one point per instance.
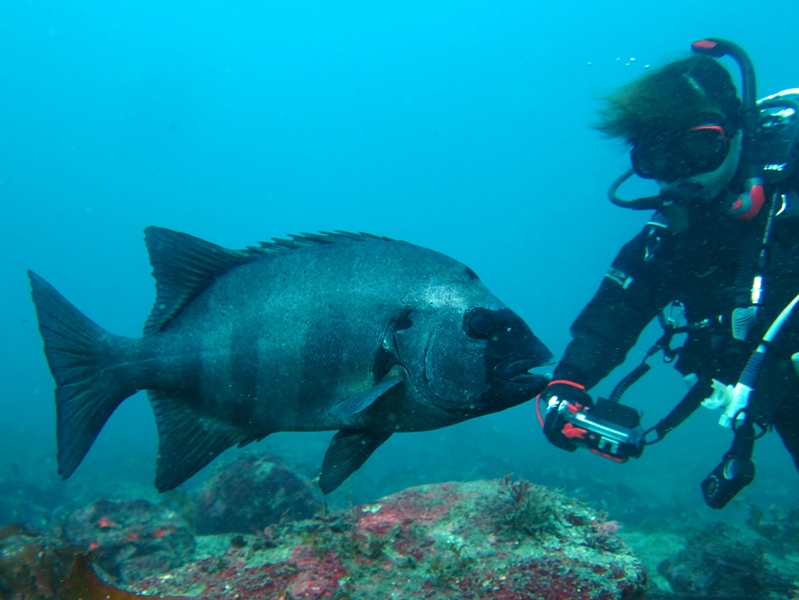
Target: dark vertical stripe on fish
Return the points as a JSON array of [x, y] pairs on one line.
[[244, 352], [327, 335]]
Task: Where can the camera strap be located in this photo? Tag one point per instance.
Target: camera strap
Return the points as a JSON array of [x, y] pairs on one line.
[[688, 404], [684, 409], [663, 344]]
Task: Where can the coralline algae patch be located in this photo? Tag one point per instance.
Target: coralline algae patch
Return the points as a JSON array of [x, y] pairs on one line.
[[130, 539], [500, 539]]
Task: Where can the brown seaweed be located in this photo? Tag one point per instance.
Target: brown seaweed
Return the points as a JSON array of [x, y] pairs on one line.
[[82, 583]]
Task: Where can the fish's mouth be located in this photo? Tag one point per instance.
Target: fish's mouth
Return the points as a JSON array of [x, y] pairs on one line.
[[517, 370]]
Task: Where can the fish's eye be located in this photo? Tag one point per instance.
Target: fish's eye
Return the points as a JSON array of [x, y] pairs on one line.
[[479, 323]]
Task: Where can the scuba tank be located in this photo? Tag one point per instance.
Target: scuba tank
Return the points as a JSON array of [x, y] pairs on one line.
[[779, 132]]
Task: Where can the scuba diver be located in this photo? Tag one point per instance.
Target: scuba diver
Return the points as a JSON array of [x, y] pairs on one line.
[[722, 250]]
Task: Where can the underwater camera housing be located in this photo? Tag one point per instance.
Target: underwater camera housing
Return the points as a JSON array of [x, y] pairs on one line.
[[609, 429]]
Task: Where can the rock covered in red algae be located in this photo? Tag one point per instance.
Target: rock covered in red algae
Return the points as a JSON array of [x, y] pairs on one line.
[[486, 539], [131, 539], [251, 492]]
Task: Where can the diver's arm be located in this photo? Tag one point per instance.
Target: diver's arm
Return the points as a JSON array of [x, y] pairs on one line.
[[629, 297]]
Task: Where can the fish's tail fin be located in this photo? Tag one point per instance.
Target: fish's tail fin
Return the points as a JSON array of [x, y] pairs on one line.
[[80, 355]]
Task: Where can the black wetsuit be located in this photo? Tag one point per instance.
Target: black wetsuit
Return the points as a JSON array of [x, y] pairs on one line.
[[709, 268]]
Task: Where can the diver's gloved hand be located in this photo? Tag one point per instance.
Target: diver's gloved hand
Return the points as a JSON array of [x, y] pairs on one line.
[[563, 400]]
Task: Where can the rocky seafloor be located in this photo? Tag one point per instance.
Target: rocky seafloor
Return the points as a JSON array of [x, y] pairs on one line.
[[255, 529], [499, 539], [502, 539]]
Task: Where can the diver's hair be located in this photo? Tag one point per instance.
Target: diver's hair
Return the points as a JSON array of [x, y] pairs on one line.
[[672, 98]]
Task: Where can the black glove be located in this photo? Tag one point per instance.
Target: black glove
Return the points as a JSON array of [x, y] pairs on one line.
[[562, 399]]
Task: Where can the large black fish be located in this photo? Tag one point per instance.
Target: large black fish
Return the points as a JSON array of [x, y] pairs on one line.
[[335, 331]]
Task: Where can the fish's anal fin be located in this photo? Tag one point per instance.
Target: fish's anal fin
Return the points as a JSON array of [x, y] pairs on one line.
[[346, 454], [183, 266], [186, 442], [356, 404]]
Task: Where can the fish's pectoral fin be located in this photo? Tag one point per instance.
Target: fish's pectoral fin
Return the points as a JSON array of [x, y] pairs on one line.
[[354, 405], [249, 440], [183, 266], [346, 454], [186, 442]]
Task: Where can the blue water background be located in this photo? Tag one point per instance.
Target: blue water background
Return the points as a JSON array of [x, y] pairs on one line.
[[460, 126]]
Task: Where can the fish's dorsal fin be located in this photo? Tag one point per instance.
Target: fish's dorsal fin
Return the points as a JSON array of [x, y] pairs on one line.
[[348, 450], [187, 442], [305, 240], [183, 266]]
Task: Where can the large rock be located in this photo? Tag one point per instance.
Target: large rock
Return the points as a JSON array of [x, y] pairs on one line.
[[250, 493], [715, 563], [486, 539]]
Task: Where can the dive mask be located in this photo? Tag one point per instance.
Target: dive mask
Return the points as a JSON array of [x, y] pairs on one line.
[[679, 155]]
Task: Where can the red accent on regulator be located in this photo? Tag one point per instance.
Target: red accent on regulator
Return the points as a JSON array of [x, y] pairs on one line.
[[757, 198], [704, 45]]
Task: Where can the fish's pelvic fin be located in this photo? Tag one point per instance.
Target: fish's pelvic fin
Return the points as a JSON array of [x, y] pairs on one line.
[[346, 454], [80, 354], [186, 442], [354, 405], [183, 266]]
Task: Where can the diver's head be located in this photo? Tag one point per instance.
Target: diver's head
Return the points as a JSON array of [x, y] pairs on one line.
[[683, 124]]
